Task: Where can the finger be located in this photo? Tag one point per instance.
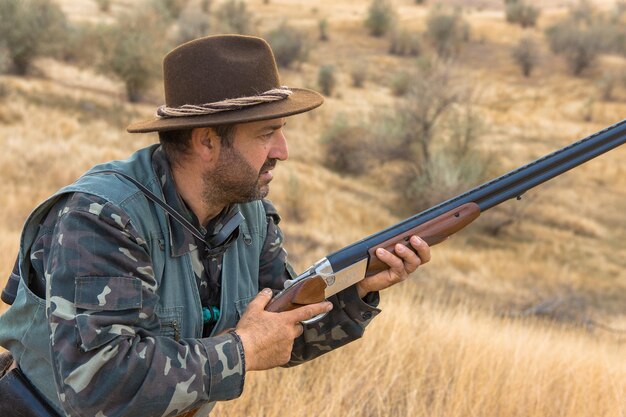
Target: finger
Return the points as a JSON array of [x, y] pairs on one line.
[[394, 262], [260, 301], [422, 248], [410, 258], [299, 329], [308, 311]]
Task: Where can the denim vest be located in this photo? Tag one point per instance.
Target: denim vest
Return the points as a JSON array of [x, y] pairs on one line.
[[24, 326]]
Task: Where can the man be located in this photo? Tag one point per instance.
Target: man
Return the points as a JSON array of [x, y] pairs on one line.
[[139, 283]]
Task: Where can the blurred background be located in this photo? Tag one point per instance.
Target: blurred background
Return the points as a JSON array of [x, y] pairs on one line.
[[521, 314]]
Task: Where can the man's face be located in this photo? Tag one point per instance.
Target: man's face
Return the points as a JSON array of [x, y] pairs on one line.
[[243, 171]]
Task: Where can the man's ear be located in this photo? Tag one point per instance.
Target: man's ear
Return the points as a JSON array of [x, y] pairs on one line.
[[205, 143]]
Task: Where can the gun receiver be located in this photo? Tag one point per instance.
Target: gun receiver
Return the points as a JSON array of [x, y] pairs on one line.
[[354, 262]]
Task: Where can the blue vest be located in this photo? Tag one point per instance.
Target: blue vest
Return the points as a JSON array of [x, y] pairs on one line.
[[24, 327]]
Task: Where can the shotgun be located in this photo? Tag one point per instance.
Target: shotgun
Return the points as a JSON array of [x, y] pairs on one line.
[[354, 262]]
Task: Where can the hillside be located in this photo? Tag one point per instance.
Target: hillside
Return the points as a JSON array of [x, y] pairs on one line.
[[530, 321]]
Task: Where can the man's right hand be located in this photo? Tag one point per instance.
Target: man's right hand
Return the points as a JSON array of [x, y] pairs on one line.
[[267, 337]]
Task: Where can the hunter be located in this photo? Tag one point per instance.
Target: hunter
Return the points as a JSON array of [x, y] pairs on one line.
[[140, 289]]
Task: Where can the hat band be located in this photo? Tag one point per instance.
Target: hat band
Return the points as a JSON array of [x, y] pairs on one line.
[[185, 110]]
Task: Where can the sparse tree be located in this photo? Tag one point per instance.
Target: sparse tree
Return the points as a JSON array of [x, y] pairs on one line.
[[132, 50], [578, 43], [380, 17], [517, 11], [447, 30], [28, 29], [526, 55]]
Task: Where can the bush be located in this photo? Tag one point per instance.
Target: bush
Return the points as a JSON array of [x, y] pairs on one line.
[[526, 55], [132, 50], [345, 147], [234, 17], [523, 14], [578, 44], [380, 17], [104, 5], [169, 9], [358, 75], [400, 83], [326, 79], [289, 45], [28, 29], [447, 31], [404, 43]]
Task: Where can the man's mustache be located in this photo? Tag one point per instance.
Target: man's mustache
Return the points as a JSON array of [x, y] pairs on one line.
[[269, 164]]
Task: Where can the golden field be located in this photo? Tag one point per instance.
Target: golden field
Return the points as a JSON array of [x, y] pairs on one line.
[[529, 323]]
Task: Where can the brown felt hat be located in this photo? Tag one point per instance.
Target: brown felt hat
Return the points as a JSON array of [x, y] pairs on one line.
[[224, 67]]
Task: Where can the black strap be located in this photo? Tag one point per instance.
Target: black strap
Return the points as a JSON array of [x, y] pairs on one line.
[[229, 227]]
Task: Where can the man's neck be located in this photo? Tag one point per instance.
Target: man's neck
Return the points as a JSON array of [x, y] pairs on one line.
[[189, 186]]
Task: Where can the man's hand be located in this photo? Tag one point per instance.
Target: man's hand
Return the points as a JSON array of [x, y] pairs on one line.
[[267, 337], [400, 266]]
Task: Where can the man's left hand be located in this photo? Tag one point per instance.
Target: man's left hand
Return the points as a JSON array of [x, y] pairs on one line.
[[401, 264]]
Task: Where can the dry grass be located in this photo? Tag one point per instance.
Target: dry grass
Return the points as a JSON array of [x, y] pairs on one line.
[[449, 343]]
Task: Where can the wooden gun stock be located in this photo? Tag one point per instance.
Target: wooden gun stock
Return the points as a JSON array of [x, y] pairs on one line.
[[433, 231]]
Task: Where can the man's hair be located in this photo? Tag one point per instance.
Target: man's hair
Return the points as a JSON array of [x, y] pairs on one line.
[[176, 143]]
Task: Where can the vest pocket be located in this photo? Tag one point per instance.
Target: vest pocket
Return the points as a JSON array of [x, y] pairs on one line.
[[171, 321]]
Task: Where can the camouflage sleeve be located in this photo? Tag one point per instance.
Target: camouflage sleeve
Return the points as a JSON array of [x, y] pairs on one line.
[[345, 323], [106, 355]]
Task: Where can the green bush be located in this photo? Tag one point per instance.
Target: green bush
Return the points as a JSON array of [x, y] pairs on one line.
[[380, 17], [323, 27], [326, 79], [289, 45], [28, 29], [400, 83], [526, 55], [358, 74], [447, 30], [132, 50], [192, 25], [404, 43], [169, 9], [520, 13], [345, 147], [578, 44]]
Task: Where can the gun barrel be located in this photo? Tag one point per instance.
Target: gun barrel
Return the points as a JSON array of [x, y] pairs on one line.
[[496, 191]]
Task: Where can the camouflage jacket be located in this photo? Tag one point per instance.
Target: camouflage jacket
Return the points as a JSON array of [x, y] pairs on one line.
[[108, 362]]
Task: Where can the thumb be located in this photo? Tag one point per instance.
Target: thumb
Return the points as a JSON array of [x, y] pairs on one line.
[[261, 300]]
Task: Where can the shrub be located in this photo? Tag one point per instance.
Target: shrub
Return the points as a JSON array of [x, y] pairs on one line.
[[358, 75], [526, 55], [131, 50], [326, 79], [205, 5], [380, 17], [28, 29], [523, 14], [345, 147], [607, 84], [446, 30], [400, 83], [234, 17], [578, 44], [404, 43], [289, 45]]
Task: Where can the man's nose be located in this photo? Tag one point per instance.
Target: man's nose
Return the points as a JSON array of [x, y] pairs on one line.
[[279, 149]]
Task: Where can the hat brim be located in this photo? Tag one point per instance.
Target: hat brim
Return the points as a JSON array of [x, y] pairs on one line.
[[301, 100]]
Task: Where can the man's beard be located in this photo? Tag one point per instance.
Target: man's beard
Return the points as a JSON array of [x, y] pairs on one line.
[[233, 180]]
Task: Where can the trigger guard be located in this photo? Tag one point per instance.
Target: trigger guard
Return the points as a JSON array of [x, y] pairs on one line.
[[315, 319]]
